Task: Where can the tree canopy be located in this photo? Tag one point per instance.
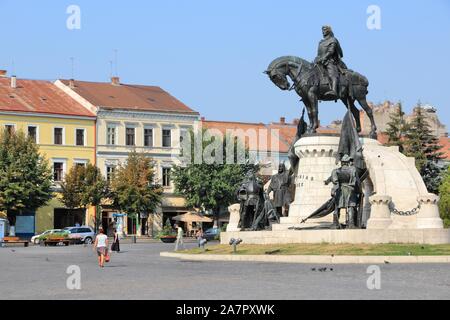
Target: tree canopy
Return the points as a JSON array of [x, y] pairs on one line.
[[133, 189], [397, 128], [25, 175], [84, 186], [210, 185], [444, 202], [424, 147]]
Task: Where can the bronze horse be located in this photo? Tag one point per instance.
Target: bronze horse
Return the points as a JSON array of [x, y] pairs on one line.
[[311, 84]]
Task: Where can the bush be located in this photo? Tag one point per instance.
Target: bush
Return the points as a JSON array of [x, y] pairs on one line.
[[166, 231], [57, 235]]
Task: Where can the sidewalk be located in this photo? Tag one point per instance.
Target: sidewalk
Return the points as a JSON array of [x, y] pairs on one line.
[[146, 239], [309, 258]]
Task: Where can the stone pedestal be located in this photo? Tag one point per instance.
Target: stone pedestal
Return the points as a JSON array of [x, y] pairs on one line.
[[428, 216], [317, 161], [380, 215], [234, 217]]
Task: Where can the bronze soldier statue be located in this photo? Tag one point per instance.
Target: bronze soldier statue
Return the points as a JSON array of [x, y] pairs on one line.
[[251, 199], [280, 184], [345, 191], [329, 56]]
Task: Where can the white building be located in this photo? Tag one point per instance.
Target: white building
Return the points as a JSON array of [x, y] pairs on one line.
[[142, 118]]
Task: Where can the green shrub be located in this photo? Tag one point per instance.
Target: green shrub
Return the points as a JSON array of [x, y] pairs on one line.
[[167, 230], [56, 235]]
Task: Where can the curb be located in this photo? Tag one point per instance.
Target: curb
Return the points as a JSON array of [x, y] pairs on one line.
[[309, 258]]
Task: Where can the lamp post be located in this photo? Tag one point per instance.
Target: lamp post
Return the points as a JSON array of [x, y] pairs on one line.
[[235, 242]]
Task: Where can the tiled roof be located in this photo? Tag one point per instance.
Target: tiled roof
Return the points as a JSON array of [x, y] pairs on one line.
[[265, 139], [445, 143], [129, 97], [38, 96], [285, 134]]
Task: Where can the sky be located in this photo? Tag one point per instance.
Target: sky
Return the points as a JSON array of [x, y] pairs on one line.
[[211, 54]]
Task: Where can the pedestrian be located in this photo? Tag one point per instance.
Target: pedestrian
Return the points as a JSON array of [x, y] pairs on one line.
[[101, 246], [115, 245], [179, 237], [199, 236]]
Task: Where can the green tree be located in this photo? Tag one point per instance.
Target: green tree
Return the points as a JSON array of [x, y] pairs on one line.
[[84, 186], [72, 187], [397, 128], [94, 191], [444, 202], [25, 175], [133, 190], [210, 185], [424, 147]]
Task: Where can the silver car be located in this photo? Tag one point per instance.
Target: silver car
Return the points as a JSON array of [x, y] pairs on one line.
[[85, 233]]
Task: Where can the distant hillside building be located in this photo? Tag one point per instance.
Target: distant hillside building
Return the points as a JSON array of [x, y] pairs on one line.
[[382, 114]]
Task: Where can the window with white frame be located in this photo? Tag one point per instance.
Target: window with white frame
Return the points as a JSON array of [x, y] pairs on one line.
[[81, 162], [166, 138], [111, 134], [33, 133], [110, 169], [58, 136], [10, 128], [166, 177], [130, 136], [58, 171], [148, 137], [80, 136]]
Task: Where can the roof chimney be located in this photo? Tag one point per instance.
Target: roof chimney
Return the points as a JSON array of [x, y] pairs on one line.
[[282, 120], [72, 83], [115, 81], [3, 73], [13, 82]]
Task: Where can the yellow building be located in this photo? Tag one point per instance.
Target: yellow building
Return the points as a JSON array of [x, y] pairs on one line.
[[65, 133]]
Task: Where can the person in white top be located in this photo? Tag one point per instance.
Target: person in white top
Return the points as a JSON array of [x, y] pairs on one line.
[[101, 246], [179, 237]]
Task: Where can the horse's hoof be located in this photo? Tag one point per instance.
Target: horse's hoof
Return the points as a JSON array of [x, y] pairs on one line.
[[373, 135]]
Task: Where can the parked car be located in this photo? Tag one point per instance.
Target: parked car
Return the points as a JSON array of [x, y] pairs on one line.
[[40, 237], [211, 234], [85, 233]]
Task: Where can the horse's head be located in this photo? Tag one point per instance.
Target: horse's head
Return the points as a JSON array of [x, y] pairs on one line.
[[279, 78], [282, 67]]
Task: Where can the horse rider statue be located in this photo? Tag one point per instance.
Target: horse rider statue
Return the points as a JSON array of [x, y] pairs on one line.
[[329, 56]]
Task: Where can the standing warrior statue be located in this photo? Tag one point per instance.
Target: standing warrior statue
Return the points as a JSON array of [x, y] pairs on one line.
[[329, 56], [345, 191], [280, 184]]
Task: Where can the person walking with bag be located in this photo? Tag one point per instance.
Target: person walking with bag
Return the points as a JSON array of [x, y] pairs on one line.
[[101, 246], [116, 244]]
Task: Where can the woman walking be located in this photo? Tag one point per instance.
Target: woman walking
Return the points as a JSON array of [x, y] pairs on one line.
[[115, 245], [101, 246]]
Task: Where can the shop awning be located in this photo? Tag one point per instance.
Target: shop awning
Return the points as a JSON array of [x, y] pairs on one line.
[[192, 217]]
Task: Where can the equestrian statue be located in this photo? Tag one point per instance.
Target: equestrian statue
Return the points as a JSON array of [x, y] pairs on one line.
[[326, 79]]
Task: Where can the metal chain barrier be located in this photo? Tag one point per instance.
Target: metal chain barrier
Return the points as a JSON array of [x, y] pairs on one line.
[[406, 213]]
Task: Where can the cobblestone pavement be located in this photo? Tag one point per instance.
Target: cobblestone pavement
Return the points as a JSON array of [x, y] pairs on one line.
[[138, 272]]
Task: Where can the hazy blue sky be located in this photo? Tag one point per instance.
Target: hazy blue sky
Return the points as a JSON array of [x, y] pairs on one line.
[[211, 54]]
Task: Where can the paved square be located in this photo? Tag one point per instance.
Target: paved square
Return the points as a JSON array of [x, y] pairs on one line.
[[138, 272]]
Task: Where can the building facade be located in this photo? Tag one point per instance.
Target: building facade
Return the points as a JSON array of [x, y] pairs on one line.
[[65, 133], [146, 119]]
